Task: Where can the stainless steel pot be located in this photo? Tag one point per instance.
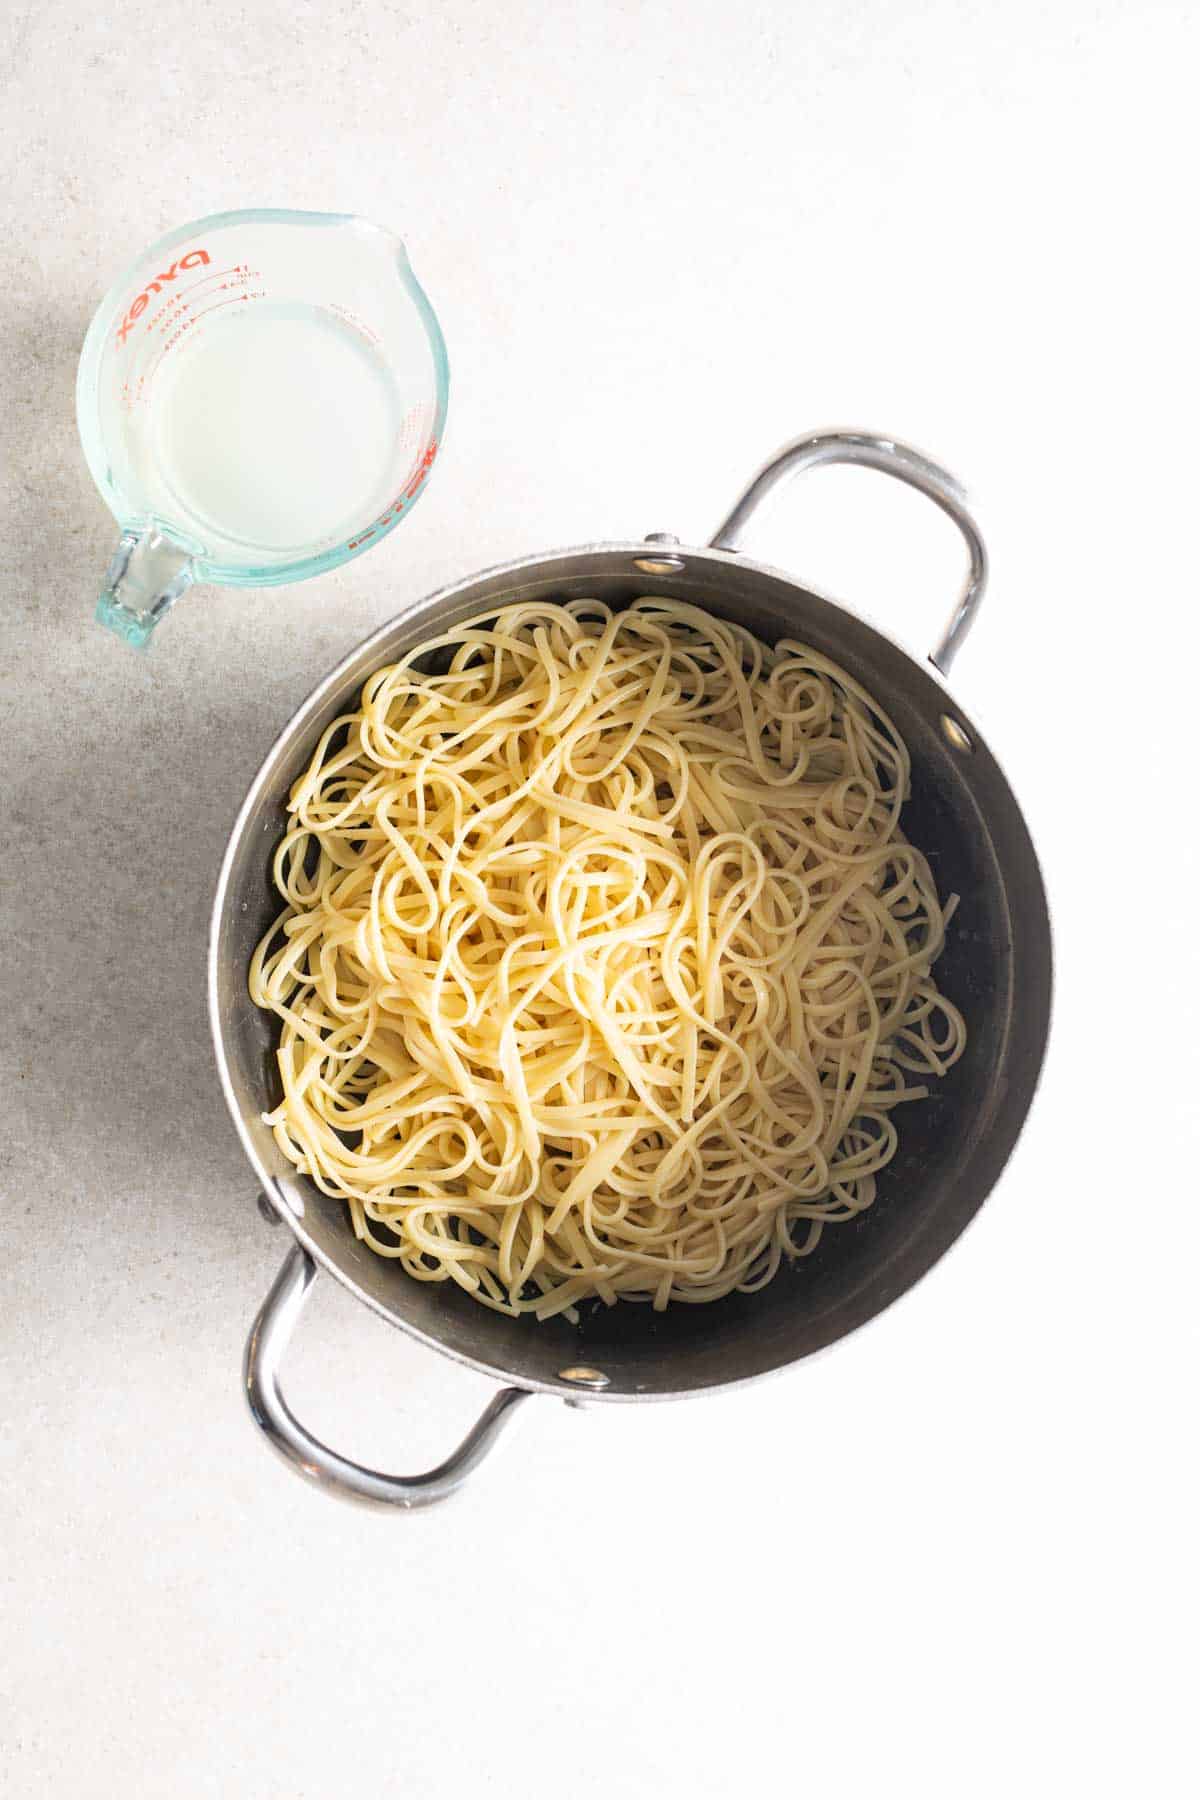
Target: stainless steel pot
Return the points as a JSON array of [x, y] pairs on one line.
[[996, 965]]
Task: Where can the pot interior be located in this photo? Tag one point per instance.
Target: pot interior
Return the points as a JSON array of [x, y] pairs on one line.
[[996, 967]]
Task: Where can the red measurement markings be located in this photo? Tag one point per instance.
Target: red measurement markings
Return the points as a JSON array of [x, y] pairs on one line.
[[166, 315], [413, 425], [364, 330], [237, 300], [194, 259], [392, 512], [234, 269]]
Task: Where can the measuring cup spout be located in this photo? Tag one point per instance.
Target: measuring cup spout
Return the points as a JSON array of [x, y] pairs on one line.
[[148, 572]]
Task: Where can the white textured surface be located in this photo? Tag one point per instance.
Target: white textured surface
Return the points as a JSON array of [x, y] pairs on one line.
[[662, 238]]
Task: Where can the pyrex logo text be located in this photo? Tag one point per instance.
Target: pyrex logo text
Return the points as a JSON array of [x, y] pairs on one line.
[[193, 260]]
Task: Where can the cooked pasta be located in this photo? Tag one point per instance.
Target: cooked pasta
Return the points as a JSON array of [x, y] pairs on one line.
[[604, 962]]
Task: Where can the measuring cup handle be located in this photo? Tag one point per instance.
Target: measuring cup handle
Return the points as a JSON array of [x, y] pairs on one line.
[[146, 576]]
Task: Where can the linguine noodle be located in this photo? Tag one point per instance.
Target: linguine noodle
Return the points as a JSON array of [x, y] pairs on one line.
[[604, 961]]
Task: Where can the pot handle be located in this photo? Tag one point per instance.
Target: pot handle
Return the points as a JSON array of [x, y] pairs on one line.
[[890, 458], [269, 1336]]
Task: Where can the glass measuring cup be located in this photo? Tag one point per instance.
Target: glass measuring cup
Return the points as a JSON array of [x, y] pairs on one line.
[[261, 396]]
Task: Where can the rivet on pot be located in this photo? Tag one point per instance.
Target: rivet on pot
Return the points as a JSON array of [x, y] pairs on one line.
[[581, 1376], [659, 565], [956, 735]]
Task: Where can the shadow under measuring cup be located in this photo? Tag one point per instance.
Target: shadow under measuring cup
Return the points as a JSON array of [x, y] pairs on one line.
[[260, 397]]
